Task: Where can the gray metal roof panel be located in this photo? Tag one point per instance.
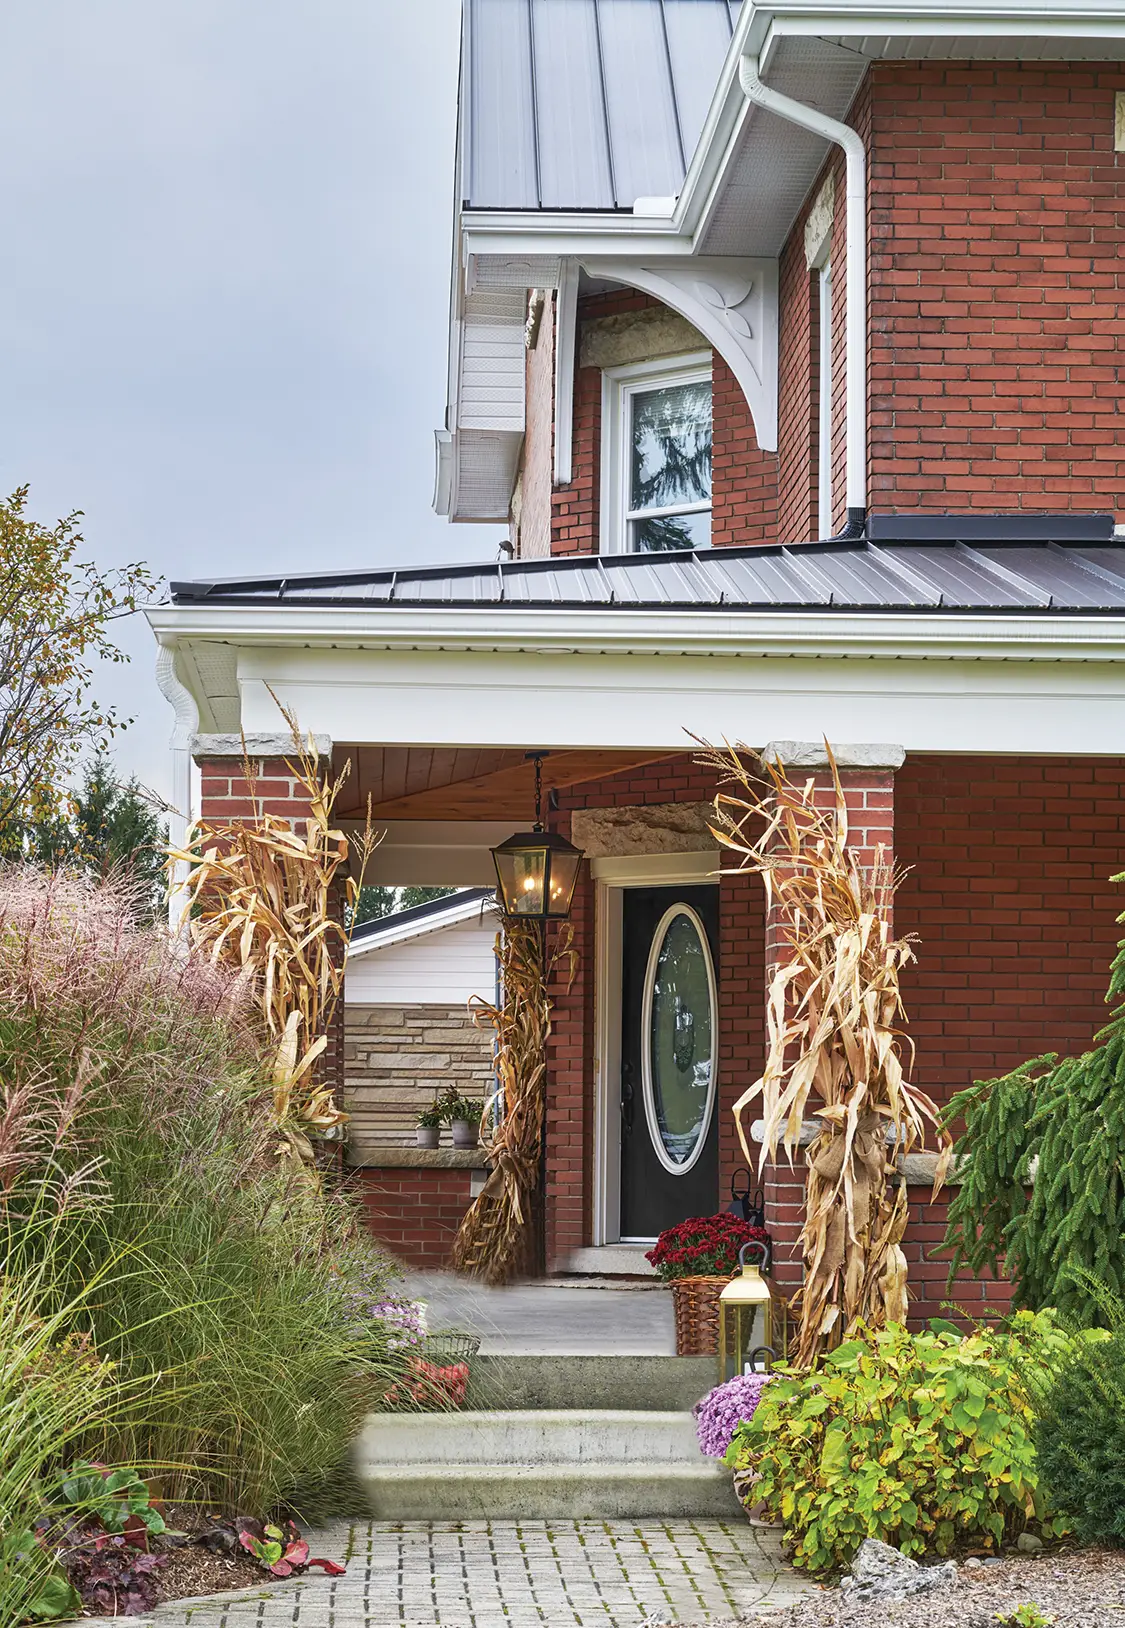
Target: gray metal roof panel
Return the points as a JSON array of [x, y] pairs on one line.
[[586, 104], [920, 576]]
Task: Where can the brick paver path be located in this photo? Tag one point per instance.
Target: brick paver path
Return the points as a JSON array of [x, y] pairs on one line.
[[516, 1574]]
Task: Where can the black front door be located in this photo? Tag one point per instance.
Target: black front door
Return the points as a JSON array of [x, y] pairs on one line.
[[669, 1052]]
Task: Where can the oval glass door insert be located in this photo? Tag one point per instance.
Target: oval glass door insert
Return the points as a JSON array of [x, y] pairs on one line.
[[680, 1024]]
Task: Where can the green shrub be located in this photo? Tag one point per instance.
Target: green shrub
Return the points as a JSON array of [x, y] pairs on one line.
[[922, 1440], [139, 1089], [1080, 1434]]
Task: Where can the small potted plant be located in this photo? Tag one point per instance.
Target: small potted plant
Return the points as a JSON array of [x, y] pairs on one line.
[[463, 1116], [430, 1121]]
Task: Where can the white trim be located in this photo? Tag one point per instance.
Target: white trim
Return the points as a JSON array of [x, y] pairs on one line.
[[566, 334], [186, 711], [611, 875], [648, 1088], [679, 630], [619, 386], [824, 401], [656, 870]]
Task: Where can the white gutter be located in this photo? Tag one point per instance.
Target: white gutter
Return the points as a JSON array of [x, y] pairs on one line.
[[919, 635], [855, 315]]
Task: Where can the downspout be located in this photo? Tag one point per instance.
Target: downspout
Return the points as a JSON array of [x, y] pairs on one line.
[[180, 698], [855, 288]]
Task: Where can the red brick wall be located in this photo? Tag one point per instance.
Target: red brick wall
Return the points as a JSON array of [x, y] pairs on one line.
[[997, 225], [744, 478], [416, 1213], [570, 1089]]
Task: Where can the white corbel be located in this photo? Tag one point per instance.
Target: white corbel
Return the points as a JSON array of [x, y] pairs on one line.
[[732, 301], [183, 704]]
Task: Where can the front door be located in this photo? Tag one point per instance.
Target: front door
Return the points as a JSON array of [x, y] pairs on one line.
[[669, 1052]]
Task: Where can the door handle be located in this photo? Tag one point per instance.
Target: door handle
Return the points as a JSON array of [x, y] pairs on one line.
[[627, 1097]]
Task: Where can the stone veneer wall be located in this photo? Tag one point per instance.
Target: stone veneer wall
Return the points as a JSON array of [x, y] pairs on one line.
[[398, 1058]]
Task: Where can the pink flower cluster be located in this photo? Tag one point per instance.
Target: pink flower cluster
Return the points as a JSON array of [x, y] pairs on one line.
[[722, 1410]]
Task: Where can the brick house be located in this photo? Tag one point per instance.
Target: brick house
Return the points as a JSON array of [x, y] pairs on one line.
[[785, 339]]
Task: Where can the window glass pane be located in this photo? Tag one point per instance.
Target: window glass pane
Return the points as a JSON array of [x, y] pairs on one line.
[[671, 531], [680, 1039], [671, 446]]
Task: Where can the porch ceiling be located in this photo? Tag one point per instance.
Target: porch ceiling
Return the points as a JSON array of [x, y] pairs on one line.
[[470, 783]]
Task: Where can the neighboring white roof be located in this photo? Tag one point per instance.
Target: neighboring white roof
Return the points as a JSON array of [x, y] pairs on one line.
[[467, 905]]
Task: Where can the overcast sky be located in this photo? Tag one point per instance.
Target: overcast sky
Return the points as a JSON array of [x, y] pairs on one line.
[[224, 288]]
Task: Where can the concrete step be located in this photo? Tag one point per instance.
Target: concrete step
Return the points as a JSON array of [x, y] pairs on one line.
[[540, 1464], [632, 1382]]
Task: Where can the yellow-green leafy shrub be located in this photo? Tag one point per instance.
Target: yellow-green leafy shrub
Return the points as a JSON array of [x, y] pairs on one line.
[[922, 1440]]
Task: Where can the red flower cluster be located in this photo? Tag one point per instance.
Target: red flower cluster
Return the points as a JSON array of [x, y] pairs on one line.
[[703, 1246], [430, 1385]]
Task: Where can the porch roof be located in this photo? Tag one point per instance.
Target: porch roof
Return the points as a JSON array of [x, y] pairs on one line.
[[1052, 565]]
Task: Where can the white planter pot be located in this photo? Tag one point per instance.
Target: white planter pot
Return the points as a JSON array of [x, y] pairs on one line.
[[466, 1133]]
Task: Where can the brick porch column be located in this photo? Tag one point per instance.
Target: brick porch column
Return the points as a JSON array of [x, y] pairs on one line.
[[867, 775], [225, 797], [570, 1085]]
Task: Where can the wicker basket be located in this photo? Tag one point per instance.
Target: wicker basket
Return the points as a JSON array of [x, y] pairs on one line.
[[696, 1303]]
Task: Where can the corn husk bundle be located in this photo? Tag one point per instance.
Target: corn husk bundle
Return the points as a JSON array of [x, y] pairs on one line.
[[496, 1239], [836, 1044], [266, 899]]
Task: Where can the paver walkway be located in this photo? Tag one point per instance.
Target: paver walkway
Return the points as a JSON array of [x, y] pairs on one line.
[[516, 1574]]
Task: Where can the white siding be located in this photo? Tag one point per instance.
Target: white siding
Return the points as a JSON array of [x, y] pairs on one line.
[[444, 967]]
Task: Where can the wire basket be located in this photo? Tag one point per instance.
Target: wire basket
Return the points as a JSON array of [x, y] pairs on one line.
[[449, 1346], [696, 1303]]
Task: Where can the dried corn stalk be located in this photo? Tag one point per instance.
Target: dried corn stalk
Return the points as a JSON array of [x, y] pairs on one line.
[[835, 1038], [496, 1239], [266, 900]]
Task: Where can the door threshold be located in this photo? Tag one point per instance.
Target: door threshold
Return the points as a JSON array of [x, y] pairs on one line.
[[610, 1260]]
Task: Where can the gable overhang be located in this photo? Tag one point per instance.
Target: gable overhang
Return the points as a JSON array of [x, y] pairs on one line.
[[747, 179]]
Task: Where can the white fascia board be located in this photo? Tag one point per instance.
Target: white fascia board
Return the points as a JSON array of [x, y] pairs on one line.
[[569, 236], [466, 910], [675, 632]]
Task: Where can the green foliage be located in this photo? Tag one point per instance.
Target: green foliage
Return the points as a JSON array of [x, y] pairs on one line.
[[117, 1499], [922, 1440], [1063, 1123], [55, 613], [452, 1105], [1080, 1435], [433, 1117], [112, 829], [1026, 1616]]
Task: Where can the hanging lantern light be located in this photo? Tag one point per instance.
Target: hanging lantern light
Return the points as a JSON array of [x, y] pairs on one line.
[[753, 1318], [536, 870]]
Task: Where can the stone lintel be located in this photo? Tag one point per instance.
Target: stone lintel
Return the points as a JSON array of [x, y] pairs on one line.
[[387, 1156], [848, 755], [253, 746], [652, 828]]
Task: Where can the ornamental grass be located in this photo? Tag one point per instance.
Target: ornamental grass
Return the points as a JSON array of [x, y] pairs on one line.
[[133, 1078]]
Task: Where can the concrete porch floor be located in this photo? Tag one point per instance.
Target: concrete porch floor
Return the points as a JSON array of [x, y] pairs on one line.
[[554, 1317]]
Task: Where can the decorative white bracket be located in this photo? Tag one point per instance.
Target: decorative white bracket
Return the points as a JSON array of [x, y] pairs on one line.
[[183, 703], [733, 303]]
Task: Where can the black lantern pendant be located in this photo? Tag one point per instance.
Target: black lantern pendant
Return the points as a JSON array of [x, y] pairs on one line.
[[537, 870]]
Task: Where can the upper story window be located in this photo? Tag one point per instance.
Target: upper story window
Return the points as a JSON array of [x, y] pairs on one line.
[[656, 455]]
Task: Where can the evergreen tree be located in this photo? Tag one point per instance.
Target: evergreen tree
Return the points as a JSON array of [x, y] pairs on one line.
[[377, 901], [1058, 1128], [112, 829]]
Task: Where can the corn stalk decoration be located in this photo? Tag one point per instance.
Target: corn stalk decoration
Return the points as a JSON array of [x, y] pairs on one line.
[[496, 1238], [835, 1037], [264, 898]]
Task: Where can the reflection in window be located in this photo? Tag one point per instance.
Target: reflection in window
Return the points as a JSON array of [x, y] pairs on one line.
[[681, 1040], [669, 494]]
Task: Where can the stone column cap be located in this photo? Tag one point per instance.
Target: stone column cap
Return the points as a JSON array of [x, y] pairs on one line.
[[253, 746], [848, 755]]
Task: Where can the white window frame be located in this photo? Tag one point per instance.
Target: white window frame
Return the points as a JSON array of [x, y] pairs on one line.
[[824, 401], [619, 386]]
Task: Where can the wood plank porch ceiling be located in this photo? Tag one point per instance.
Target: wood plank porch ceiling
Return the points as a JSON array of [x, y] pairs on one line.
[[465, 783]]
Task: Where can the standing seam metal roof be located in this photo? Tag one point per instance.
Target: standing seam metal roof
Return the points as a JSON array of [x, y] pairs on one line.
[[1038, 575], [586, 104]]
